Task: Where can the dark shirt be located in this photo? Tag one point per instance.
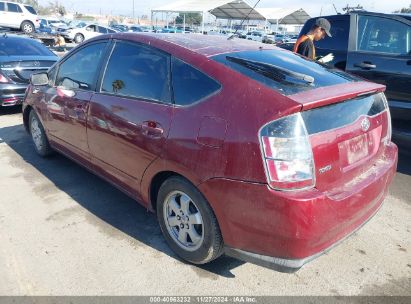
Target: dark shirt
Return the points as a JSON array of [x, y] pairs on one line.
[[306, 48]]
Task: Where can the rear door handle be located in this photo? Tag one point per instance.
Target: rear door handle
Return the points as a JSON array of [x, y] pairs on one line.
[[365, 65]]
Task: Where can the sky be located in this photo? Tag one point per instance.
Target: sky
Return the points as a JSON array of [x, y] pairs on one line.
[[312, 7]]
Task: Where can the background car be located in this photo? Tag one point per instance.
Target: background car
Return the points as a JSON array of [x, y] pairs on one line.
[[376, 47], [255, 152], [18, 16], [255, 36], [79, 34], [20, 57]]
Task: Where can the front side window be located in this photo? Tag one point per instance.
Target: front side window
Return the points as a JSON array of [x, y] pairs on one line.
[[137, 71], [339, 40], [13, 8], [91, 28], [80, 70], [189, 84], [382, 35]]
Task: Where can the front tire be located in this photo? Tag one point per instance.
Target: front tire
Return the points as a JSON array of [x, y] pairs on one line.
[[187, 222], [78, 38], [38, 135], [27, 27]]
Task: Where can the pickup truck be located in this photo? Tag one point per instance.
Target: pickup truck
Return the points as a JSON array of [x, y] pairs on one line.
[[376, 47]]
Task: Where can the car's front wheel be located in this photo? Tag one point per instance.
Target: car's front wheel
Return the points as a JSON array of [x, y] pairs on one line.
[[38, 135], [78, 38], [188, 222]]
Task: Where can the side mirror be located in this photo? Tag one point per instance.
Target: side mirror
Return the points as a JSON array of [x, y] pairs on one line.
[[39, 79]]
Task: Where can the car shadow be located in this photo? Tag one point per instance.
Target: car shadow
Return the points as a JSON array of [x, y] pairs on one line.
[[103, 200], [404, 161], [10, 110]]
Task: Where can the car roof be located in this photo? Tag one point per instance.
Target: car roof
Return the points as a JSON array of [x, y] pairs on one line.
[[207, 45], [362, 12]]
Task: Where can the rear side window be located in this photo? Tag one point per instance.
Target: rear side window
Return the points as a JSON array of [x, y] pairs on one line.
[[13, 8], [79, 71], [189, 84], [382, 35], [138, 71], [2, 7], [30, 9], [12, 46], [102, 30]]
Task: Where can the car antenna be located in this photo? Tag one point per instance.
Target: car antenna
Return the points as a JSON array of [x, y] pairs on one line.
[[242, 21]]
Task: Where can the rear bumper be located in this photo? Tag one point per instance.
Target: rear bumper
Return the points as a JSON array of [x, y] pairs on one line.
[[12, 94], [285, 230]]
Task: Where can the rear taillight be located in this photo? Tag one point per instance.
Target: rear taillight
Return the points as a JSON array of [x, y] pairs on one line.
[[3, 79], [287, 154], [387, 138]]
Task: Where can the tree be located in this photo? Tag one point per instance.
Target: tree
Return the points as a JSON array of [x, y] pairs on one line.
[[191, 18], [404, 10]]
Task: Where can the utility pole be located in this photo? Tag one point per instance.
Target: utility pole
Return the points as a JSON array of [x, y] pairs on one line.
[[133, 11]]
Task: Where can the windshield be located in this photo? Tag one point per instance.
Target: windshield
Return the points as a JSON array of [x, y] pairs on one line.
[[283, 71]]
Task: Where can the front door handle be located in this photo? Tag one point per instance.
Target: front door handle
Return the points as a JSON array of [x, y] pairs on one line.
[[152, 129], [366, 65]]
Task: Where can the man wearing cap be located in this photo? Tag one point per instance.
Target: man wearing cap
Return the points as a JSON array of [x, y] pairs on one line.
[[305, 44]]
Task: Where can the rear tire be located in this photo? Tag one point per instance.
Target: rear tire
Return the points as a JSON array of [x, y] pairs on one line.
[[187, 222], [27, 27], [38, 135], [78, 38]]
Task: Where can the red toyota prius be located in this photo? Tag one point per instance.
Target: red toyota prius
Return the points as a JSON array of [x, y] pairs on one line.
[[240, 148]]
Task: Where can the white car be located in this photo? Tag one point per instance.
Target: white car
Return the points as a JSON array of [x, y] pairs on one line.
[[18, 16], [79, 34], [255, 36]]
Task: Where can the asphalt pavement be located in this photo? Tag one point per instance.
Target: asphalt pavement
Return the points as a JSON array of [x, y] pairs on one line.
[[64, 231]]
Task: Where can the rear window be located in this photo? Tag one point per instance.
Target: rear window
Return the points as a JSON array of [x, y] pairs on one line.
[[30, 9], [342, 114], [284, 71], [13, 46]]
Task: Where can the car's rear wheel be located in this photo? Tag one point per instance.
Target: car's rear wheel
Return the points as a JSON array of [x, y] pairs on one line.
[[27, 27], [38, 135], [78, 38], [187, 222]]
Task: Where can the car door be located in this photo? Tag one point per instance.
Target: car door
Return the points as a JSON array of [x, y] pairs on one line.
[[14, 15], [67, 98], [381, 52], [3, 14], [130, 116]]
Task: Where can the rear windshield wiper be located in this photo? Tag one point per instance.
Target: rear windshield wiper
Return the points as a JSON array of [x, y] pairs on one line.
[[272, 71]]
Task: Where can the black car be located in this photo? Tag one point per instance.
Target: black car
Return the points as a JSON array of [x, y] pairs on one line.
[[19, 58], [376, 47]]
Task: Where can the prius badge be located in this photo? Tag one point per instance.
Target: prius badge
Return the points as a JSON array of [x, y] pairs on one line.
[[365, 124]]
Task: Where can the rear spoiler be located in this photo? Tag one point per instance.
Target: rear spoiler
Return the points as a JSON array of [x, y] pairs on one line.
[[333, 94]]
